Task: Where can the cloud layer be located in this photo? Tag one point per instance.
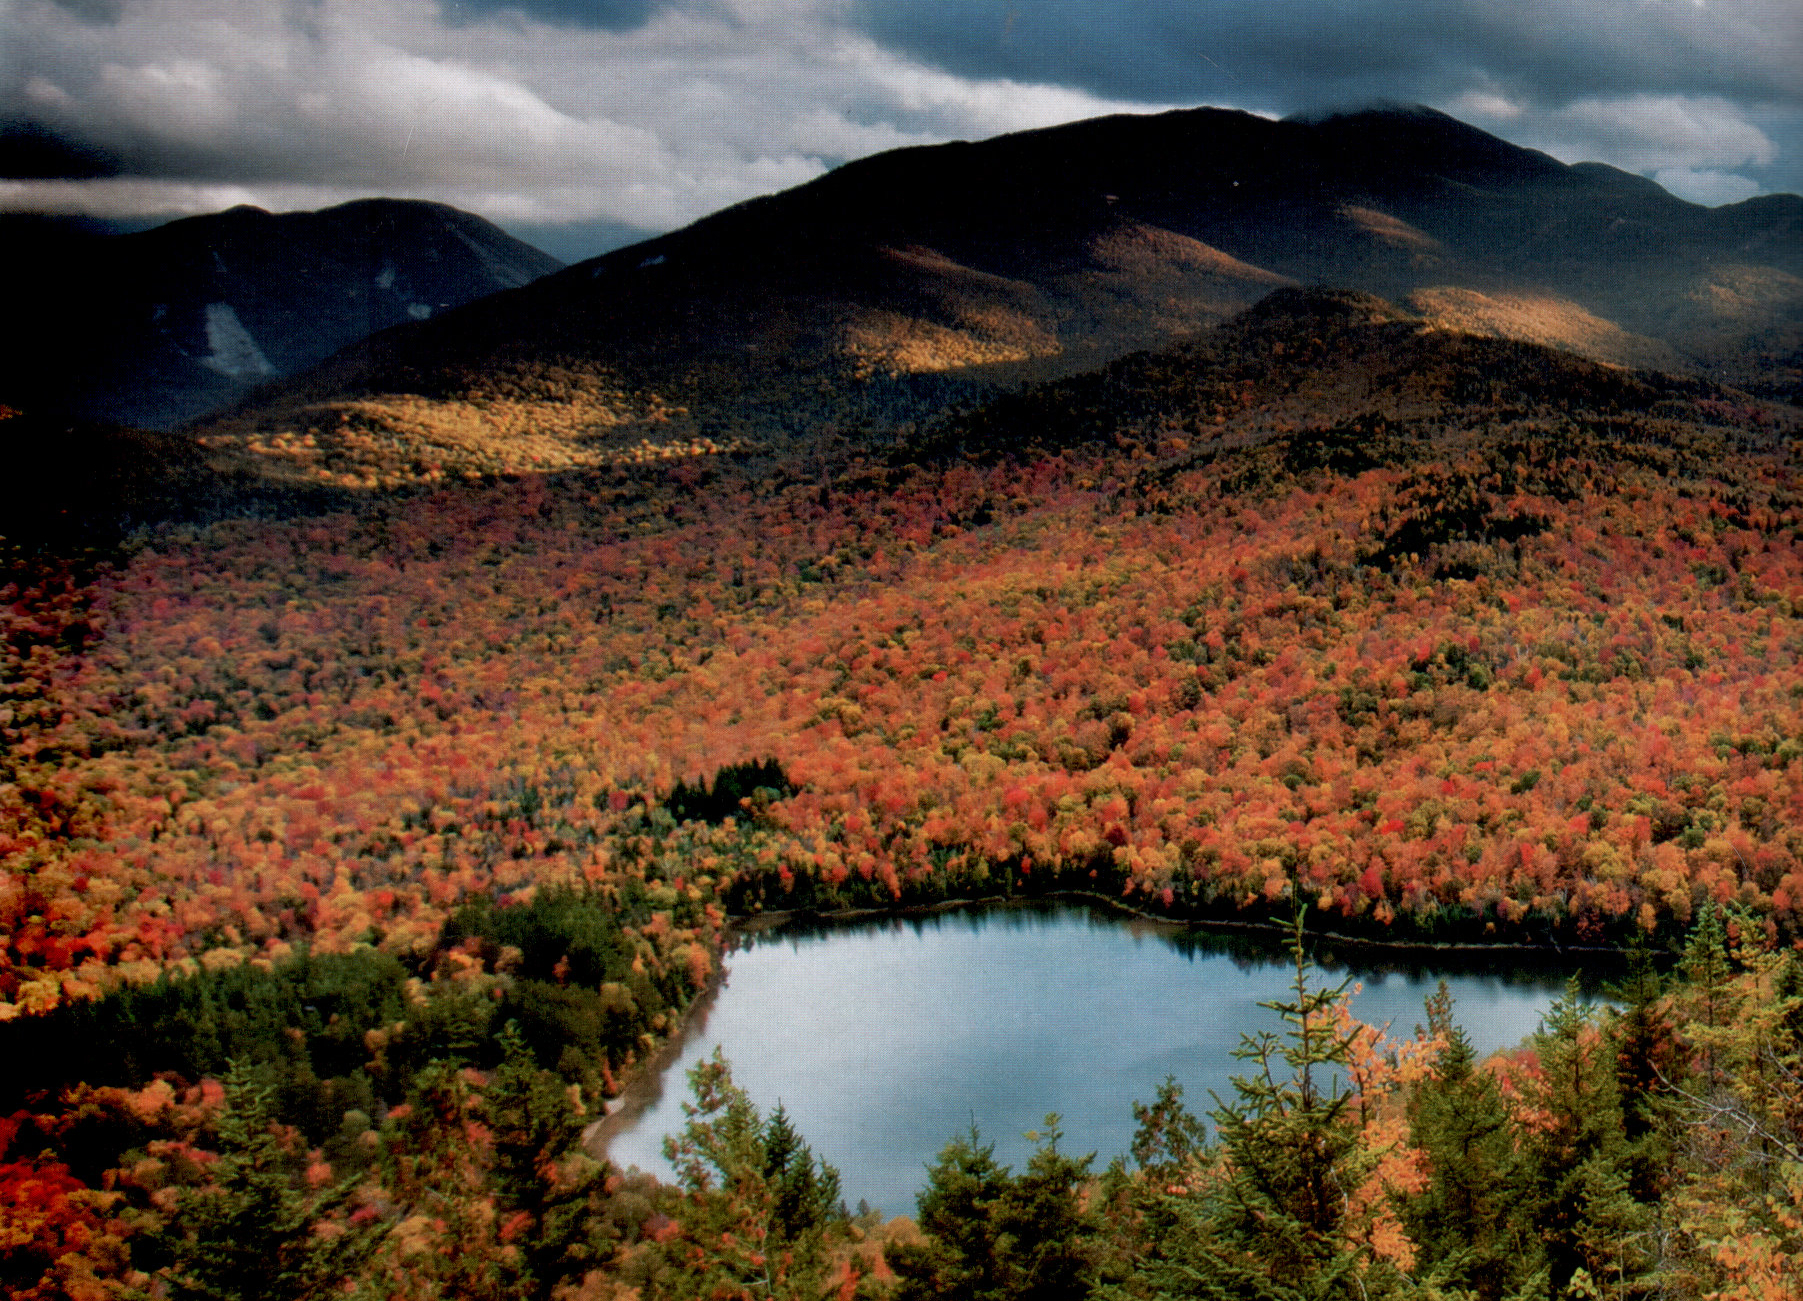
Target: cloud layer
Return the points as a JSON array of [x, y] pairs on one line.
[[1283, 53], [644, 114]]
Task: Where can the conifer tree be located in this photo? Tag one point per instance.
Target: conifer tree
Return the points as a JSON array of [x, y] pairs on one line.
[[760, 1205], [995, 1236], [1139, 1217], [1047, 1232], [1268, 1215], [1707, 1002], [250, 1232], [1469, 1222], [1645, 1047], [807, 1190], [1737, 1202], [1169, 1135], [960, 1258], [1646, 1061], [1587, 1217], [545, 1186]]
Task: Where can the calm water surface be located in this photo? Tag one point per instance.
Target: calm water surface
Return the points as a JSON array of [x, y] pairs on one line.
[[884, 1039]]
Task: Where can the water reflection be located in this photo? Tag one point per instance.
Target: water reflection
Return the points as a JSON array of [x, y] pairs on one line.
[[885, 1037]]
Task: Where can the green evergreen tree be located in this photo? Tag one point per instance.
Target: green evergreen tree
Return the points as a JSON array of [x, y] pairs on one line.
[[540, 1171], [249, 1232], [1646, 1062], [1582, 1204], [1047, 1235], [1707, 990], [761, 1208], [995, 1236], [807, 1190], [1470, 1224], [1266, 1217], [1645, 1044], [1169, 1136], [960, 1258]]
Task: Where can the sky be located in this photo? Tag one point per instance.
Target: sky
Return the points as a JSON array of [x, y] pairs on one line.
[[584, 124]]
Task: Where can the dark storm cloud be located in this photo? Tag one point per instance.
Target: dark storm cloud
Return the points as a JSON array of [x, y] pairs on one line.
[[1285, 54], [1609, 80], [32, 151], [607, 15], [93, 11]]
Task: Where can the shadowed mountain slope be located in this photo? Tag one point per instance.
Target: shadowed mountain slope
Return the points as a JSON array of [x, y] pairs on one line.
[[1342, 364], [157, 327], [1305, 360], [892, 285]]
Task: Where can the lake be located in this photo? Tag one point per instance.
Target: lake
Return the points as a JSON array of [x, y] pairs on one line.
[[883, 1039]]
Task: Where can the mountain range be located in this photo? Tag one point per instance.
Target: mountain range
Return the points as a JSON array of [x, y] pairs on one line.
[[900, 284]]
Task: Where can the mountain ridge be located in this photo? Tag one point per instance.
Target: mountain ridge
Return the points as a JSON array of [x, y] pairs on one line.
[[873, 295]]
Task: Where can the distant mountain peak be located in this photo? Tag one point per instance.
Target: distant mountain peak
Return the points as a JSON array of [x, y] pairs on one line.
[[158, 327]]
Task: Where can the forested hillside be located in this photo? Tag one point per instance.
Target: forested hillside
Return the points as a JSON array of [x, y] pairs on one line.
[[1497, 644], [353, 856]]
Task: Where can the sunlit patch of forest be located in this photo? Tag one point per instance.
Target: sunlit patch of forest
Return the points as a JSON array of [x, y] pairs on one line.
[[353, 859]]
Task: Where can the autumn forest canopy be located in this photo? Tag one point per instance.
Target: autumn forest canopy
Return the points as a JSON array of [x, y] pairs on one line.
[[359, 847]]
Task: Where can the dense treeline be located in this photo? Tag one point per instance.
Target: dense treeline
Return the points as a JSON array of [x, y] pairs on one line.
[[1461, 670], [298, 1026], [204, 1127], [332, 1033], [724, 797]]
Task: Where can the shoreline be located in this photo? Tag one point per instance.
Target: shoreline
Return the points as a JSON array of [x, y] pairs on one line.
[[644, 1081], [773, 920]]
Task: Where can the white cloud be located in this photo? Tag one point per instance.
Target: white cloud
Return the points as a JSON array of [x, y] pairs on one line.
[[46, 94], [1688, 143], [518, 121], [1706, 185], [1647, 132], [1484, 104], [143, 197]]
